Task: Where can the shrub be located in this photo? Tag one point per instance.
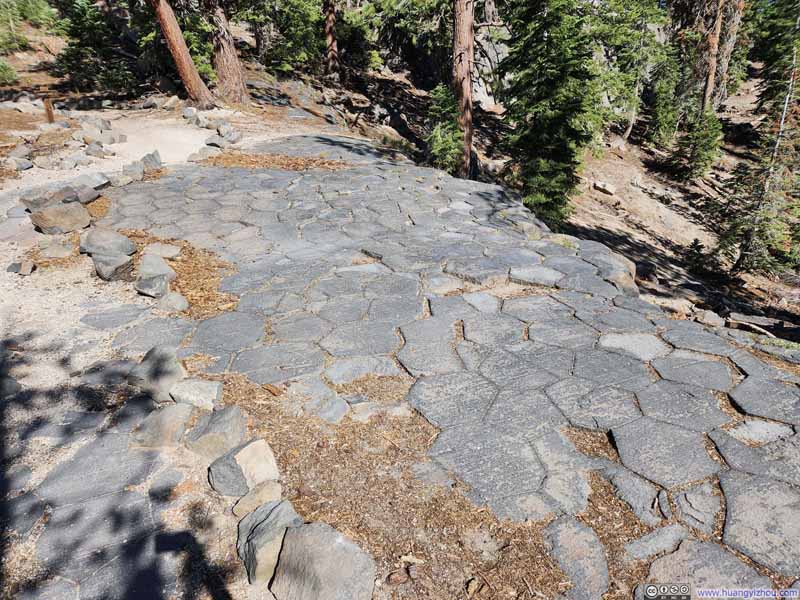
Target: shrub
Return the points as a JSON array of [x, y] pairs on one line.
[[8, 75], [445, 142], [699, 148]]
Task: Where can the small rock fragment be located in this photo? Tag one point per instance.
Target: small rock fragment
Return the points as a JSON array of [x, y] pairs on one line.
[[317, 562], [268, 491], [101, 240], [157, 373], [198, 392], [154, 287], [113, 267], [63, 218], [173, 302], [241, 469], [261, 536], [217, 432], [163, 427]]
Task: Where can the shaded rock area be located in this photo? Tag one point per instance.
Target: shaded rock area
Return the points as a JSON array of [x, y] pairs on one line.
[[505, 336]]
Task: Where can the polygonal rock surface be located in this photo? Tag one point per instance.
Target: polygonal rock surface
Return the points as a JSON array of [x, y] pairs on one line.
[[608, 368], [638, 493], [493, 329], [229, 331], [217, 432], [644, 346], [570, 334], [447, 400], [693, 336], [706, 565], [536, 275], [662, 540], [698, 507], [687, 406], [494, 464], [759, 432], [663, 453], [241, 469], [779, 459], [579, 553], [261, 535], [319, 563], [762, 520], [769, 399], [588, 405], [526, 413], [695, 371], [349, 369], [157, 373], [280, 362], [361, 338]]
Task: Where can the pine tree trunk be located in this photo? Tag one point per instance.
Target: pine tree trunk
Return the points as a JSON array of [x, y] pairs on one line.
[[226, 60], [195, 87], [713, 54], [730, 36], [331, 47], [463, 60]]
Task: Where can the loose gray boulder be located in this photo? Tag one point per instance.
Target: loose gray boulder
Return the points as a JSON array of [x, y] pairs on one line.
[[173, 302], [198, 392], [134, 170], [101, 240], [243, 468], [157, 373], [151, 162], [163, 427], [94, 180], [61, 218], [112, 267], [218, 432], [153, 265], [319, 563], [261, 535], [268, 491], [154, 287]]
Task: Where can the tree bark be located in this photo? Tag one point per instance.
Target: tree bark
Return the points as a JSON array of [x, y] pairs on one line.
[[713, 54], [463, 61], [226, 60], [194, 85], [730, 36], [331, 47]]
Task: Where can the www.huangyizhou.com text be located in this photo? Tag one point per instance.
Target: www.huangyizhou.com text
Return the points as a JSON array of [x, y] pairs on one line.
[[721, 593]]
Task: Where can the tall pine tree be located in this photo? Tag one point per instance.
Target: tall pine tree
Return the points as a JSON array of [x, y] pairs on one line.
[[552, 97], [765, 197]]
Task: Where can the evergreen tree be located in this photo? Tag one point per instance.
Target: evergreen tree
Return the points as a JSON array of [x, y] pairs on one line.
[[764, 230], [552, 97]]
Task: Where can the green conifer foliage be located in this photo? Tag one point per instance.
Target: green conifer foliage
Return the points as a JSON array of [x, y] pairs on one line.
[[553, 99], [763, 230]]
